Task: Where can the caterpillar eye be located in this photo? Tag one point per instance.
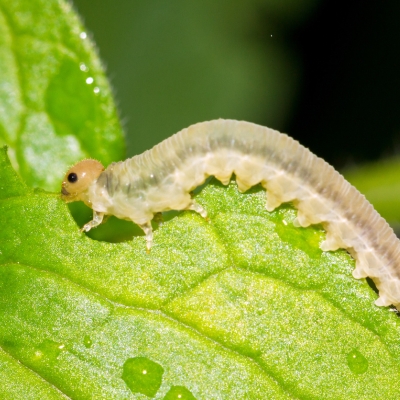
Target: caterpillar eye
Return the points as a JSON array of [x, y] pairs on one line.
[[72, 177]]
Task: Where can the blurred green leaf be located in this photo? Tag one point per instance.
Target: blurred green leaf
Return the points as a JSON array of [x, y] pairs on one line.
[[380, 183], [244, 307], [55, 102]]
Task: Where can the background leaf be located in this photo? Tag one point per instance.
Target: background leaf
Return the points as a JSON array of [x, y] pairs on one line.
[[380, 183], [55, 102]]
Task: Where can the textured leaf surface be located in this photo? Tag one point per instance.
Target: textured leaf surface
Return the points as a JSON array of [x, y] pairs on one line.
[[243, 307], [55, 103]]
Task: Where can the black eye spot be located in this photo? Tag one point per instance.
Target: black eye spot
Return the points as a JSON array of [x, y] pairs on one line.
[[72, 177]]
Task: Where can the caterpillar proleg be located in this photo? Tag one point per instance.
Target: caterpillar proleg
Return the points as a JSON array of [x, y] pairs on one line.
[[162, 178]]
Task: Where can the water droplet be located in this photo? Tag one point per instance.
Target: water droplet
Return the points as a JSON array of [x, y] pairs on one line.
[[83, 67], [179, 393], [38, 355], [49, 349], [142, 375], [96, 90], [87, 342], [357, 362], [89, 80], [83, 35]]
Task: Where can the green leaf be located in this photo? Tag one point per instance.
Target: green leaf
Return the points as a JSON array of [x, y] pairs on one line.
[[245, 306], [55, 102]]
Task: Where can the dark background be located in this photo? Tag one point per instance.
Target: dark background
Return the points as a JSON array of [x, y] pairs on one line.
[[326, 72], [351, 83]]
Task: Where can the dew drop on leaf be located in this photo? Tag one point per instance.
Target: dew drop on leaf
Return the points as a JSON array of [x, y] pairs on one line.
[[179, 393], [357, 362], [87, 342], [142, 375], [51, 349], [83, 67]]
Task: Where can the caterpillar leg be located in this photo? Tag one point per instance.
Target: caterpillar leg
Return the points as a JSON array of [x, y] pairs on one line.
[[194, 206], [272, 201], [96, 221], [148, 231]]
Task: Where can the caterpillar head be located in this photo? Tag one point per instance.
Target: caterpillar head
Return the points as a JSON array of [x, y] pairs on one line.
[[78, 179]]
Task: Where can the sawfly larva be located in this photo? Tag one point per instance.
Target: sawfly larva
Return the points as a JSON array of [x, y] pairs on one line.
[[162, 179]]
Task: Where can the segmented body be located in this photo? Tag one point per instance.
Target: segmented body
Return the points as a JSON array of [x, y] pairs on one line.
[[162, 178]]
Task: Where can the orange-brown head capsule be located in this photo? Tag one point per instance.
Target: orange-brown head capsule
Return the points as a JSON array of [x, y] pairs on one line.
[[78, 179]]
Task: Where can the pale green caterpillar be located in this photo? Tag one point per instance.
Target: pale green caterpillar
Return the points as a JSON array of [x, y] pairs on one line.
[[162, 178]]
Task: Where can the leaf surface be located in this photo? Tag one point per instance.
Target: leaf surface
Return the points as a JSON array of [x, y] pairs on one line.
[[245, 306]]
